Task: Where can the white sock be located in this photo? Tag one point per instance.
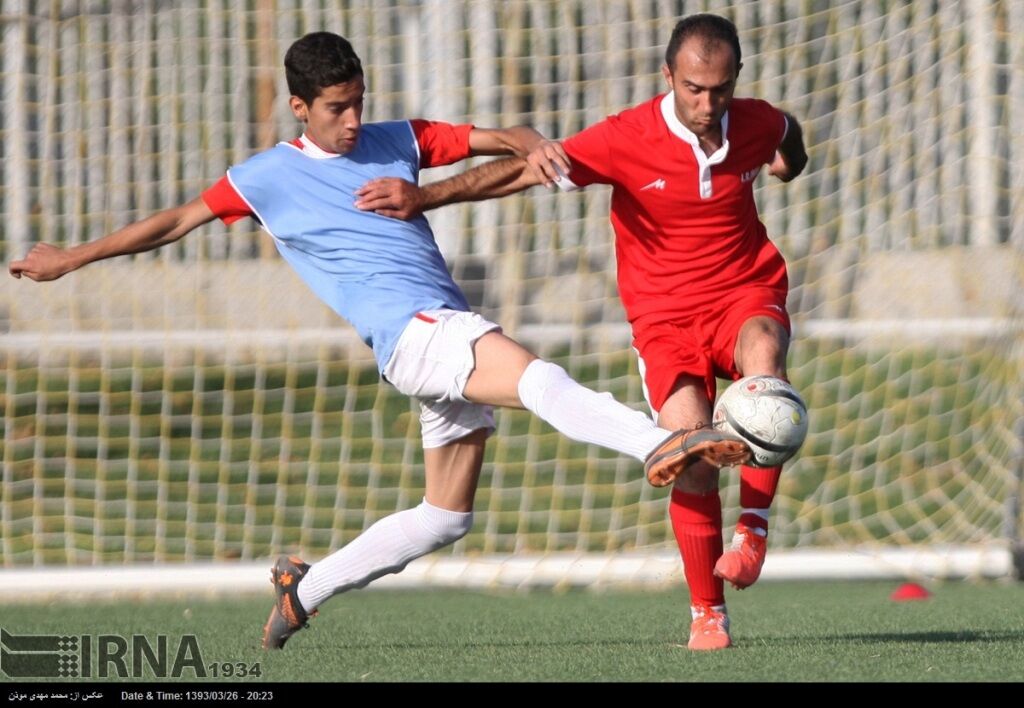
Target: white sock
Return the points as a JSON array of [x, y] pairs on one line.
[[386, 547], [762, 513], [586, 416], [697, 610]]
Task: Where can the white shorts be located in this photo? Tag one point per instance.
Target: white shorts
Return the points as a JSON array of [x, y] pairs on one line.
[[432, 361]]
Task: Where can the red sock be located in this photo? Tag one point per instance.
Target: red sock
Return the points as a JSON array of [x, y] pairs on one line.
[[757, 490], [697, 523]]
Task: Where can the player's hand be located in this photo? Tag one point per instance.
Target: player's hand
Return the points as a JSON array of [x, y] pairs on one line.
[[390, 196], [43, 262], [549, 162], [778, 167]]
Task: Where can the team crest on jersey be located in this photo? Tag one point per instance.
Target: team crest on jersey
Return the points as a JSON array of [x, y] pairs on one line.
[[749, 175]]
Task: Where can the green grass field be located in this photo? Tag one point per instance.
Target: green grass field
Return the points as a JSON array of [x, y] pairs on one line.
[[792, 632]]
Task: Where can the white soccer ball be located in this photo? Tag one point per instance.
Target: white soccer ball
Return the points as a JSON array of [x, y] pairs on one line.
[[766, 413]]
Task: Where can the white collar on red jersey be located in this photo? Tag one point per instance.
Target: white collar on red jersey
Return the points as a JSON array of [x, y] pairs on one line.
[[668, 112], [308, 147], [704, 162]]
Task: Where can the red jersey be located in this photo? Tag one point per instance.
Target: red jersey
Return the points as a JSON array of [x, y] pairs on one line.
[[438, 143], [686, 225]]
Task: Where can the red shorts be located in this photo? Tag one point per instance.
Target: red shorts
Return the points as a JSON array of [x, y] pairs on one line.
[[701, 344]]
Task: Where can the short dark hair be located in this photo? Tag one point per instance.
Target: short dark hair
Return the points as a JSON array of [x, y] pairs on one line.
[[319, 60], [712, 28]]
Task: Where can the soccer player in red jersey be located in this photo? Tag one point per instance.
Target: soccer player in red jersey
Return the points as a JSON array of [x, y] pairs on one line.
[[703, 287]]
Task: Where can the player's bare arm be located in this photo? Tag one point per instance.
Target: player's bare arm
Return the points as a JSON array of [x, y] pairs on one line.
[[519, 141], [791, 156], [546, 164], [397, 198], [545, 158], [48, 262]]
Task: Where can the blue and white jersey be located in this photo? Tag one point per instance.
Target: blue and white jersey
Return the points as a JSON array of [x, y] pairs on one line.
[[376, 272]]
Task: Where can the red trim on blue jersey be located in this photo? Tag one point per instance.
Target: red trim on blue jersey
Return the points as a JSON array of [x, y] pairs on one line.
[[441, 143], [225, 203]]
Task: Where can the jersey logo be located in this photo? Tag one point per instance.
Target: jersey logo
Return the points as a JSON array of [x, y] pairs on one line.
[[658, 184], [749, 175]]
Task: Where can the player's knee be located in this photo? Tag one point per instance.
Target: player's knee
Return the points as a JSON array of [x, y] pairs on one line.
[[698, 478], [762, 348], [539, 378], [443, 529], [764, 332]]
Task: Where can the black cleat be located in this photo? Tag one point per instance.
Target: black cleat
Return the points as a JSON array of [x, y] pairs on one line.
[[287, 617]]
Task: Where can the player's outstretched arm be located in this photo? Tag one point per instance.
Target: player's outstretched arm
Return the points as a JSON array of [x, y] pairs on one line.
[[47, 262], [791, 157], [519, 141], [397, 198]]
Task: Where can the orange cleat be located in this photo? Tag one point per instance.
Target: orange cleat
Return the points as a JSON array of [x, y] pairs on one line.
[[741, 564], [710, 628], [684, 447]]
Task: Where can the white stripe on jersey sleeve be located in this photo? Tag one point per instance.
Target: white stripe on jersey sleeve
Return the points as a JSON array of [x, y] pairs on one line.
[[564, 183], [416, 144]]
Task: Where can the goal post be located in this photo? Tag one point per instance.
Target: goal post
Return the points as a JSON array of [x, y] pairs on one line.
[[198, 405]]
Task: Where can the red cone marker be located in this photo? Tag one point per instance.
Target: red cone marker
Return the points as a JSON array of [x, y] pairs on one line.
[[909, 591]]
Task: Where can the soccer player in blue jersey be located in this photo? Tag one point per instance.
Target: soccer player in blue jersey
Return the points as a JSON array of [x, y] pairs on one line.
[[388, 279]]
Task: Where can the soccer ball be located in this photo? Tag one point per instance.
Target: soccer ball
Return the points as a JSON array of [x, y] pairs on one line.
[[767, 414]]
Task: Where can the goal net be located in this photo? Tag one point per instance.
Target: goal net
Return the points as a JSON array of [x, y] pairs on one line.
[[198, 404]]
